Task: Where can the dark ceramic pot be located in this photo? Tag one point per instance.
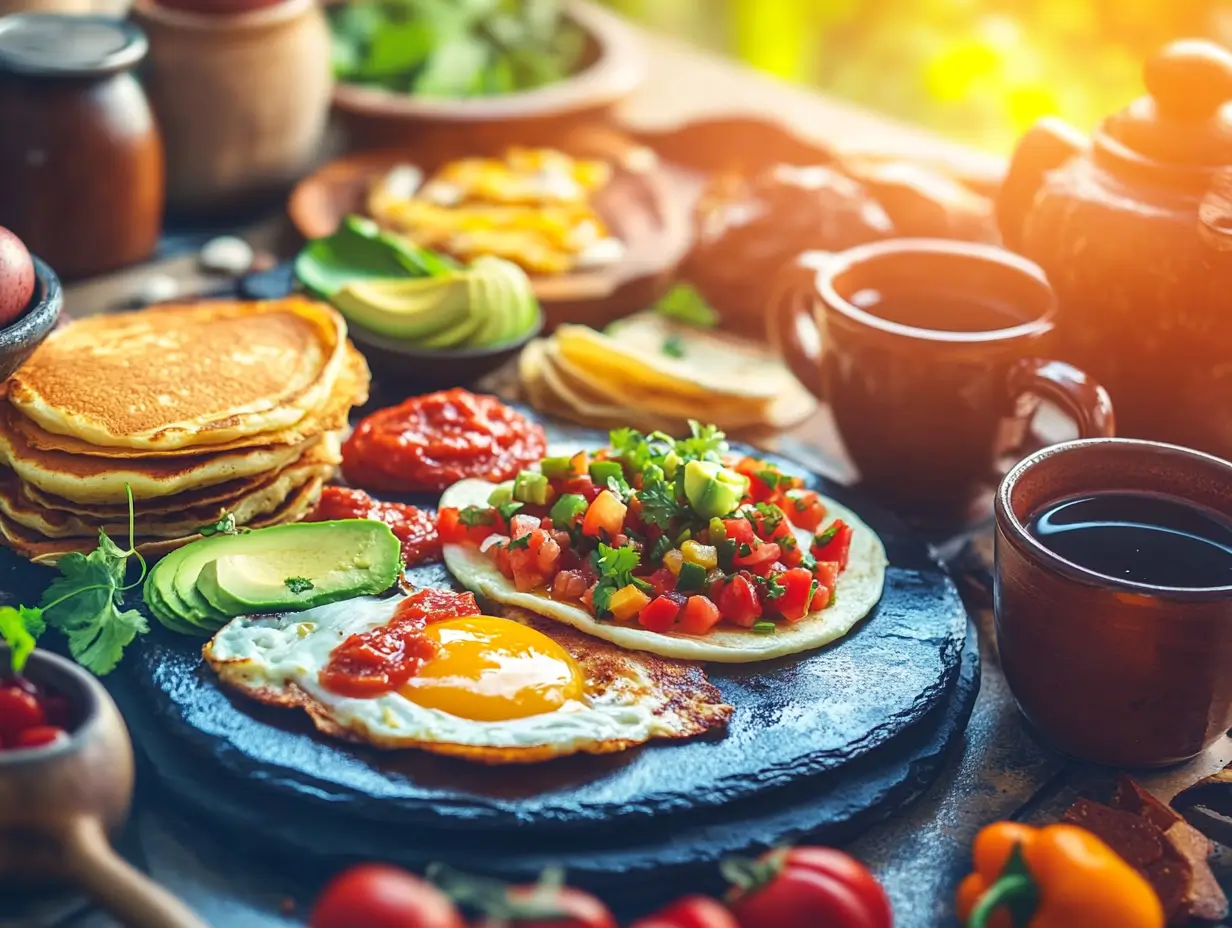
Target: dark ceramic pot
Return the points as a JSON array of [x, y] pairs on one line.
[[19, 339]]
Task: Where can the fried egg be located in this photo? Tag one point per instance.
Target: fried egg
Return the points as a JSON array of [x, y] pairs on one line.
[[511, 689]]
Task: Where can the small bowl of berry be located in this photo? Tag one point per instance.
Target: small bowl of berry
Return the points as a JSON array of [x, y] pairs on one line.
[[66, 781]]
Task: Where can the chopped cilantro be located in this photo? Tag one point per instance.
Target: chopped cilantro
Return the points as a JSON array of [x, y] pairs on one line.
[[615, 567], [745, 549], [771, 587], [224, 526], [299, 585], [824, 537], [662, 545], [807, 560], [523, 542], [659, 503], [472, 516], [765, 517], [673, 346], [774, 478], [705, 443], [19, 627], [620, 487], [506, 510]]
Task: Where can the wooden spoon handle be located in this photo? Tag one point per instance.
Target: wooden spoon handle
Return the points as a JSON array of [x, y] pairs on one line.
[[129, 895]]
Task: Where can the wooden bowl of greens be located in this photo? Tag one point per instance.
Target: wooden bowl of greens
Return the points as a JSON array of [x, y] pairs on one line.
[[477, 75]]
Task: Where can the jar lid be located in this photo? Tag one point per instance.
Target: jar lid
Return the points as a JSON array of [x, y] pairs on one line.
[[1185, 120], [46, 45]]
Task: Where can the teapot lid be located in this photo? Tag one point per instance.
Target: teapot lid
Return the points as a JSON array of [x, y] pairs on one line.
[[1186, 119]]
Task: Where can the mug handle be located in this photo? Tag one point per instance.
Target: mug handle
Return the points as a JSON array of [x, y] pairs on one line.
[[133, 898], [1086, 402], [791, 314]]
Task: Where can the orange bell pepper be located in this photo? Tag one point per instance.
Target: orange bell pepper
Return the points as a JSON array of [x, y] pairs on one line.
[[1060, 876]]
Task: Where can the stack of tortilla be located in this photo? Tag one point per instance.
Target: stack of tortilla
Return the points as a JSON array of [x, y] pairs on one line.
[[204, 410], [653, 372]]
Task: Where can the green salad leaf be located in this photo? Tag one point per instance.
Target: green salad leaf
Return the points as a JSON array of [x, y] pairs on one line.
[[454, 48]]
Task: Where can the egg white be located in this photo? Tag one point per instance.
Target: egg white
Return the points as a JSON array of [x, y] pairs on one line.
[[278, 659]]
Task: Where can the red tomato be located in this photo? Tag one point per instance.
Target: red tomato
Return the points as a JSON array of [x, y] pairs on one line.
[[698, 616], [578, 910], [739, 530], [796, 599], [39, 736], [663, 581], [659, 615], [804, 508], [813, 886], [691, 912], [761, 552], [582, 486], [19, 710], [380, 896], [606, 514], [738, 602], [837, 547]]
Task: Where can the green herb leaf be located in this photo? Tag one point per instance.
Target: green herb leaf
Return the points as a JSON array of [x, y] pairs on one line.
[[774, 478], [771, 587], [673, 346], [299, 585], [824, 537], [620, 487], [19, 628], [615, 567], [473, 516], [705, 443], [224, 526], [507, 510], [360, 250], [523, 542], [659, 504], [683, 302]]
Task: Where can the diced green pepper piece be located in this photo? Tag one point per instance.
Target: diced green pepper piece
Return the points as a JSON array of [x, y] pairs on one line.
[[502, 494], [556, 468], [683, 537], [530, 487], [765, 628], [670, 463], [603, 471], [662, 545], [718, 531], [566, 510], [727, 552], [691, 577]]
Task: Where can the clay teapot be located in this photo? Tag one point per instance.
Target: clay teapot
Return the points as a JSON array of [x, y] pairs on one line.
[[1134, 230]]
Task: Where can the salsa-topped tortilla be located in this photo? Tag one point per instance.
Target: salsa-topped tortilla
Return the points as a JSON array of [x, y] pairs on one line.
[[677, 547]]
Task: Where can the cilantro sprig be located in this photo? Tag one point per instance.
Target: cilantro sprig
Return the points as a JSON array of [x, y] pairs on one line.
[[85, 603], [615, 567]]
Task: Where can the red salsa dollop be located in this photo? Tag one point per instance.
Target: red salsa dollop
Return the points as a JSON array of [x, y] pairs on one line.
[[383, 658], [431, 442], [413, 527], [31, 715]]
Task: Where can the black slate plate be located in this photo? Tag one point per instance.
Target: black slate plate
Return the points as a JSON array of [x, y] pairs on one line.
[[795, 718], [634, 870]]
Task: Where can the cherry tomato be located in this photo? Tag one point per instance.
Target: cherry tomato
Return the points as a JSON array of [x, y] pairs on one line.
[[578, 910], [19, 710], [39, 736], [693, 912], [811, 886], [380, 896]]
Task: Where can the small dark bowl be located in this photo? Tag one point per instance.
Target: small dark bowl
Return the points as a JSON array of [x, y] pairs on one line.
[[18, 341], [410, 369]]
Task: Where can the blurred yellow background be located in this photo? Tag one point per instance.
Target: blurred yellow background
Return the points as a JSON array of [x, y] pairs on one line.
[[979, 71]]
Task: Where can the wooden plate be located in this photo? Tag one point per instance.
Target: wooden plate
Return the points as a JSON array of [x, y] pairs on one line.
[[646, 205]]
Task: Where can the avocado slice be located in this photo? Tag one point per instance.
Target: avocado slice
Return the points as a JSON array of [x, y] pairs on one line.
[[249, 572], [166, 617], [412, 309], [490, 287], [713, 490], [524, 309]]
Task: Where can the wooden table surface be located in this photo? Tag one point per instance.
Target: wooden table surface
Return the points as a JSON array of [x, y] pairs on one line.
[[1000, 772]]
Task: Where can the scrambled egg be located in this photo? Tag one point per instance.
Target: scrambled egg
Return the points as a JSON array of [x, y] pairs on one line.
[[533, 207]]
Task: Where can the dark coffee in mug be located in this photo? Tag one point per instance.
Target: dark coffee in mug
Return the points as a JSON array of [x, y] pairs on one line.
[[939, 310], [1139, 537]]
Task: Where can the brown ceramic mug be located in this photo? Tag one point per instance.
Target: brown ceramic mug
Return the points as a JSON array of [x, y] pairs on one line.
[[58, 804], [1105, 669], [932, 355]]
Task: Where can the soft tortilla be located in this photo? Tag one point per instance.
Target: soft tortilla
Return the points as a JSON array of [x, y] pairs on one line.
[[859, 589]]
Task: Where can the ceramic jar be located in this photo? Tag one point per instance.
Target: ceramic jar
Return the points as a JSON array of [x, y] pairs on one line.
[[242, 99], [81, 161]]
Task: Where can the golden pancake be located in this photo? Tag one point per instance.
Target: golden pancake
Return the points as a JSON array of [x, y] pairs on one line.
[[85, 479], [350, 389], [186, 375], [53, 523], [34, 547]]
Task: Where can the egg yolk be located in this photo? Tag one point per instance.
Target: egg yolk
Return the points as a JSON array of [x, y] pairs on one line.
[[490, 670]]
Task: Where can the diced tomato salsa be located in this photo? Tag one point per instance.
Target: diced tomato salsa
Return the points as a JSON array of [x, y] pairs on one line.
[[630, 534], [32, 716]]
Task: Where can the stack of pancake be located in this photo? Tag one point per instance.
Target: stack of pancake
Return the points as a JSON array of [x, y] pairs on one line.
[[203, 409]]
